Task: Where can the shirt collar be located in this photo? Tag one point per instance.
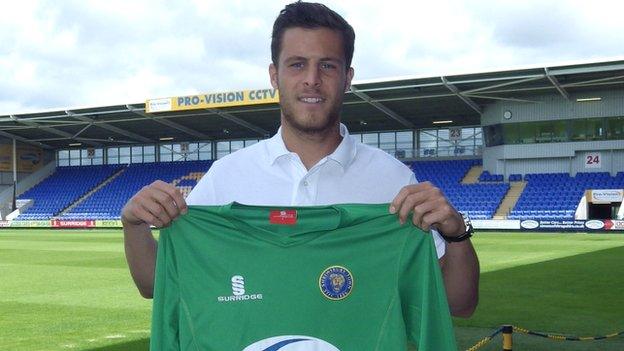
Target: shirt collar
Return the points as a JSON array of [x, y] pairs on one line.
[[343, 155]]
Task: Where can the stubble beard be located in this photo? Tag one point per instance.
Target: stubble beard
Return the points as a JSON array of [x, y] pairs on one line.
[[300, 126]]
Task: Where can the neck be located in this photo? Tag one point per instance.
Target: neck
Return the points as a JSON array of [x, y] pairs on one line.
[[311, 147]]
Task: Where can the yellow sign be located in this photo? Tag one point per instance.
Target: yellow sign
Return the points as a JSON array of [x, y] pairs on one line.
[[213, 100], [29, 158], [108, 224], [31, 224]]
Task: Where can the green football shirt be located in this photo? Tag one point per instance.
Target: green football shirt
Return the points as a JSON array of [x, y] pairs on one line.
[[322, 278]]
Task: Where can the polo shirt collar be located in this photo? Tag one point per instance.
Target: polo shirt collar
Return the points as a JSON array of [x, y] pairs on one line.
[[343, 155]]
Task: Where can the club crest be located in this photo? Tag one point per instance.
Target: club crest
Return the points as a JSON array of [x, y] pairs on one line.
[[336, 282]]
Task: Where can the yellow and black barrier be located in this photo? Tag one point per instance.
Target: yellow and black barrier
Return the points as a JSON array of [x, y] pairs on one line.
[[485, 340], [508, 330]]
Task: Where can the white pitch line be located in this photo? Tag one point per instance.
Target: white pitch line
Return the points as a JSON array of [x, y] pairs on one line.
[[115, 336]]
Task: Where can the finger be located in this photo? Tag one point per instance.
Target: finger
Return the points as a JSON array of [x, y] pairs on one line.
[[164, 200], [157, 211], [413, 200], [408, 206], [407, 191], [173, 192], [430, 214], [398, 200], [422, 209], [128, 214], [147, 217]]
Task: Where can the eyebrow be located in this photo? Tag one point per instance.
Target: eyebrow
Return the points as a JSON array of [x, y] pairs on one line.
[[301, 58]]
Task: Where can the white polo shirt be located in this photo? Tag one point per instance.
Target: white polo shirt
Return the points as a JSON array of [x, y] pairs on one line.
[[267, 173]]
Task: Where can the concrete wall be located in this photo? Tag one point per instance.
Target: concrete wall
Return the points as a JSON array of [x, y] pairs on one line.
[[554, 107], [554, 158], [569, 157]]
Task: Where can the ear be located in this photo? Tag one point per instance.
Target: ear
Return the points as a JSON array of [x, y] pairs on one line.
[[350, 73], [273, 75]]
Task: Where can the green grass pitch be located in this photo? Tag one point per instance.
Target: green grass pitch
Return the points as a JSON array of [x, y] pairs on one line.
[[71, 290]]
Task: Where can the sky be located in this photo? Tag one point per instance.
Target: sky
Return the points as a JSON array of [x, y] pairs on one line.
[[62, 54]]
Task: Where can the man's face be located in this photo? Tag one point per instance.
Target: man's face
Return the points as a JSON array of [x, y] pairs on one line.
[[311, 78]]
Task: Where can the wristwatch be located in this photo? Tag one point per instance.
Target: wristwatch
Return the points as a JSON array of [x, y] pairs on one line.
[[467, 233]]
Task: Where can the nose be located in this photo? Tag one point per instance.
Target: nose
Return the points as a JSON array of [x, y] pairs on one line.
[[313, 76]]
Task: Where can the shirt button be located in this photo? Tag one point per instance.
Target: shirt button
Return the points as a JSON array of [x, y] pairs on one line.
[[305, 183]]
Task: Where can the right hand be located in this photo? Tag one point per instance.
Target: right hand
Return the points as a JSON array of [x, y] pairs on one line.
[[156, 204]]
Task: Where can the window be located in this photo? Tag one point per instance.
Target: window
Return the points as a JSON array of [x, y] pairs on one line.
[[615, 128], [137, 154], [63, 157], [236, 145], [595, 129], [149, 153], [405, 144], [205, 151], [555, 131], [428, 144], [191, 152], [445, 146], [387, 142], [371, 139], [124, 155], [226, 147], [74, 157], [113, 155], [223, 148], [166, 155]]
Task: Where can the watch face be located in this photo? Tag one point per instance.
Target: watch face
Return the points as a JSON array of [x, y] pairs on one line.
[[468, 224]]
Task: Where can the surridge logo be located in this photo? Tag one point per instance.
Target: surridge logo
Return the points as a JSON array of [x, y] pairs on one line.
[[238, 285], [238, 291]]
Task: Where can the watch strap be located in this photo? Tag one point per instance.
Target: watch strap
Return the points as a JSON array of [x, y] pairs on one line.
[[464, 236]]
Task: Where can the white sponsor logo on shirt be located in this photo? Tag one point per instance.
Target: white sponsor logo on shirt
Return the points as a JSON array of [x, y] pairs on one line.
[[291, 343], [238, 291]]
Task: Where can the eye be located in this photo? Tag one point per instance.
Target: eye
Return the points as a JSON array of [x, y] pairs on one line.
[[327, 65], [297, 65]]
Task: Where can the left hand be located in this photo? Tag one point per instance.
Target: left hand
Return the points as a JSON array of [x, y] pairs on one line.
[[431, 209]]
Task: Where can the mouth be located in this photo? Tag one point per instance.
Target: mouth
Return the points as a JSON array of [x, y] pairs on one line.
[[311, 100]]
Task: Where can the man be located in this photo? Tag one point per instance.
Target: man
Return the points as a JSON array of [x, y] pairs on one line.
[[310, 161]]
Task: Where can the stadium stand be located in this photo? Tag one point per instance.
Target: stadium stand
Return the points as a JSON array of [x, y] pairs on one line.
[[108, 201], [547, 196], [555, 196], [479, 201], [487, 177], [62, 188]]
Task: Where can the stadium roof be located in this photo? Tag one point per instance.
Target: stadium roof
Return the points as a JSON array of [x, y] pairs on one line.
[[394, 104]]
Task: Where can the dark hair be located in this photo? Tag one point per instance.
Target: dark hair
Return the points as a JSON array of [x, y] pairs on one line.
[[311, 15]]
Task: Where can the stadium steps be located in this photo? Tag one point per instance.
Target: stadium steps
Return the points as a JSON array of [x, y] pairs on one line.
[[472, 177], [185, 189], [91, 192], [510, 199]]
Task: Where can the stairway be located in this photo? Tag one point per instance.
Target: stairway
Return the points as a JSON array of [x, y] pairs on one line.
[[472, 177], [509, 201], [91, 192]]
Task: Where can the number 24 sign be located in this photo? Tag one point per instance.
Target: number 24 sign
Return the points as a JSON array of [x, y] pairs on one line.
[[593, 160]]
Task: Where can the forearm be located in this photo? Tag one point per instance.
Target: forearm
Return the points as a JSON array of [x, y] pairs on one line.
[[140, 247], [460, 268]]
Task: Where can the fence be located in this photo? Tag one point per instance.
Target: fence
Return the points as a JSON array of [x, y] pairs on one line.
[[508, 330]]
